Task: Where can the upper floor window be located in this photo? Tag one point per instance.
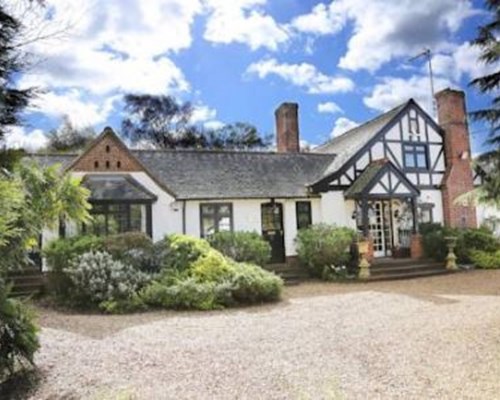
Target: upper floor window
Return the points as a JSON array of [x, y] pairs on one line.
[[415, 156], [216, 218], [303, 210]]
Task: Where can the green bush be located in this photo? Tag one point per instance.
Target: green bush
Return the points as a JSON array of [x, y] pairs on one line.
[[468, 240], [185, 294], [323, 245], [60, 253], [18, 335], [486, 260], [179, 252], [211, 267], [251, 284], [242, 246], [98, 279]]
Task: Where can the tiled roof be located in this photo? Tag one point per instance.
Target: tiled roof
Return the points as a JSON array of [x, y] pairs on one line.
[[348, 143], [116, 187]]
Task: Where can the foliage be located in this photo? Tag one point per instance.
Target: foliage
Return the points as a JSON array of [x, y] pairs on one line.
[[468, 240], [167, 124], [323, 245], [60, 253], [211, 267], [486, 260], [181, 251], [185, 294], [487, 41], [97, 278], [32, 198], [12, 62], [242, 246], [252, 284], [9, 158], [333, 273], [18, 334], [69, 138]]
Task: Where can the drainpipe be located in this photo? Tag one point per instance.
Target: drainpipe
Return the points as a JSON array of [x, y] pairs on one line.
[[183, 217]]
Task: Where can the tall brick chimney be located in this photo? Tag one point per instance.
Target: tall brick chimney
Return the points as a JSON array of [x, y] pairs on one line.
[[287, 128], [452, 117]]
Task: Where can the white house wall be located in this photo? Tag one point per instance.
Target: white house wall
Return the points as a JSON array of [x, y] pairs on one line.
[[336, 210], [434, 197], [489, 216], [247, 217]]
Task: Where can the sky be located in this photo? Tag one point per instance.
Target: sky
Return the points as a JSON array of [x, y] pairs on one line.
[[343, 61]]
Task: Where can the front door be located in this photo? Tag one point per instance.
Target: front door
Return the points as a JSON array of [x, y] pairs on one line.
[[272, 230], [379, 224]]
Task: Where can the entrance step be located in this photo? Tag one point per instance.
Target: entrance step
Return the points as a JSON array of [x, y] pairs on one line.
[[405, 268], [26, 282], [291, 274]]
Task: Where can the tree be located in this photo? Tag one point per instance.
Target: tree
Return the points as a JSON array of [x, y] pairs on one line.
[[12, 100], [167, 124], [487, 41], [68, 138], [30, 199]]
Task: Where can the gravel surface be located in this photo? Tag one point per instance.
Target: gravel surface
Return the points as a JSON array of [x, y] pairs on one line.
[[427, 338]]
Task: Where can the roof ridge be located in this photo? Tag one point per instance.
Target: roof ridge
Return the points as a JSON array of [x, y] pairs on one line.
[[364, 124], [210, 151]]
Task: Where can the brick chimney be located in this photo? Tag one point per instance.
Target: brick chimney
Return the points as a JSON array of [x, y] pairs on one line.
[[287, 128], [452, 117]]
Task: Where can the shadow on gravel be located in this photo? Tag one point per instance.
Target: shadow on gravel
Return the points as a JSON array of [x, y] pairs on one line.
[[20, 385]]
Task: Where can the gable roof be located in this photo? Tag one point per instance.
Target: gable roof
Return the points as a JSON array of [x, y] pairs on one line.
[[372, 175], [349, 143], [203, 174]]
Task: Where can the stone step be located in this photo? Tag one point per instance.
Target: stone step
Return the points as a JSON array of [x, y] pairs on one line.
[[26, 282], [408, 275], [381, 270]]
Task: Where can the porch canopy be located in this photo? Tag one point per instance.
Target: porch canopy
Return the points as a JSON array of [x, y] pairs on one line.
[[381, 180], [116, 189]]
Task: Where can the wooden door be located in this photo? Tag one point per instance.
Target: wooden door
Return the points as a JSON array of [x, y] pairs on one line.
[[272, 230]]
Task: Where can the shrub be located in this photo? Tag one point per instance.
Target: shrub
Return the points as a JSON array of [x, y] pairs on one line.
[[468, 240], [179, 252], [134, 248], [60, 253], [252, 284], [211, 267], [323, 245], [98, 278], [185, 294], [242, 246], [483, 259], [18, 335]]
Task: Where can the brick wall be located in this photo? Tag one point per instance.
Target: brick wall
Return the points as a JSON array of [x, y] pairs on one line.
[[452, 117], [107, 154], [287, 128]]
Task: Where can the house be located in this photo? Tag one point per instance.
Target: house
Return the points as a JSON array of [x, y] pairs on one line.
[[382, 178]]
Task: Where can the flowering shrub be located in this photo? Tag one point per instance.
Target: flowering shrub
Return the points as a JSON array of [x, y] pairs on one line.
[[98, 278]]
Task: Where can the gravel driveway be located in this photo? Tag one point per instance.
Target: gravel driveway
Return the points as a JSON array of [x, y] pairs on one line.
[[416, 339]]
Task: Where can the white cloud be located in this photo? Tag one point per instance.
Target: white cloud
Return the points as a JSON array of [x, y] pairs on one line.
[[329, 107], [384, 30], [243, 21], [81, 112], [19, 138], [394, 91], [342, 125], [213, 124], [202, 113], [303, 75]]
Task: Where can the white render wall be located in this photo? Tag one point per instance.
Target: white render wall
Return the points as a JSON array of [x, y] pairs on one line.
[[247, 217], [434, 197], [489, 215], [336, 210]]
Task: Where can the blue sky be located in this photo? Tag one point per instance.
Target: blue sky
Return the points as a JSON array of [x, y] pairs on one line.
[[343, 61]]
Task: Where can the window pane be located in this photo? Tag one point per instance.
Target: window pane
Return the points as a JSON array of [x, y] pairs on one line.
[[303, 214], [99, 224], [409, 160], [224, 224], [207, 209], [224, 210], [421, 160], [136, 213], [208, 226]]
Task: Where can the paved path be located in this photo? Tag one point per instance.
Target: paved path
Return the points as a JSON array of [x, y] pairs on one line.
[[367, 342]]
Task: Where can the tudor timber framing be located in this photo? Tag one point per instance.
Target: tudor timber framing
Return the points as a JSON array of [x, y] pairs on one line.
[[351, 170]]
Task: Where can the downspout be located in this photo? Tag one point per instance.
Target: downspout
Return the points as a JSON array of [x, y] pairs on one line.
[[183, 217]]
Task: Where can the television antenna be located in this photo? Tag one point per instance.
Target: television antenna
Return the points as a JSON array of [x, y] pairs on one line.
[[428, 54]]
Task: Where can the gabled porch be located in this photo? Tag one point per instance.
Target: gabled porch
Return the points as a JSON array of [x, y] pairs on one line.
[[386, 211]]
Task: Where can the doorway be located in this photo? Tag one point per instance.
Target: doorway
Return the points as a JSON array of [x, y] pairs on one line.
[[380, 227], [272, 230]]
